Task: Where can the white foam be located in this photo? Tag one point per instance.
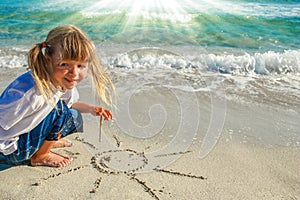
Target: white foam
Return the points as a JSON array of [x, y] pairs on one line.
[[268, 63], [147, 61], [12, 58], [260, 76], [246, 64]]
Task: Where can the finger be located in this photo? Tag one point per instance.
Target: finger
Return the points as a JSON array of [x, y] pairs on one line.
[[107, 114], [110, 115], [99, 111]]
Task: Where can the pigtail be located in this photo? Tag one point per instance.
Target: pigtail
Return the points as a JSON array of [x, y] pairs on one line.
[[101, 81], [38, 63]]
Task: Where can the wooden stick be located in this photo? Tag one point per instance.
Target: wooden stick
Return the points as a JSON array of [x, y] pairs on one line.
[[100, 130]]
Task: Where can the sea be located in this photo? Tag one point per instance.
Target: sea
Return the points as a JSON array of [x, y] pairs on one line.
[[235, 51]]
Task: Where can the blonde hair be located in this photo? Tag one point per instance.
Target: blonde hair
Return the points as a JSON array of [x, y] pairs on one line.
[[73, 44]]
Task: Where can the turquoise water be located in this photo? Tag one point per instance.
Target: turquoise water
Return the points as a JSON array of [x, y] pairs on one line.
[[248, 25], [236, 37]]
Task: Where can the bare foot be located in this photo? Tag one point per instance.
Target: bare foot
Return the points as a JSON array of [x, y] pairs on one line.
[[51, 160], [62, 143]]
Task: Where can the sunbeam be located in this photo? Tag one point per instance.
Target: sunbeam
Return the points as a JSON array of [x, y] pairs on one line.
[[141, 11], [138, 14]]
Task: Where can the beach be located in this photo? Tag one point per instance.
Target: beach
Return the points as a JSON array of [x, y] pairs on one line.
[[247, 162], [207, 102], [231, 171]]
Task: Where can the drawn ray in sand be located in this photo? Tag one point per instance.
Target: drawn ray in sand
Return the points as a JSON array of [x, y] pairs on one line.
[[96, 185], [130, 162], [63, 172], [122, 161]]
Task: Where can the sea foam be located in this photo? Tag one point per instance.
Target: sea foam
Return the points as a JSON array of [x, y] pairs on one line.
[[258, 63]]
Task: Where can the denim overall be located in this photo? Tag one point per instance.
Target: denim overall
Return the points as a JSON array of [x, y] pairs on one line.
[[60, 121]]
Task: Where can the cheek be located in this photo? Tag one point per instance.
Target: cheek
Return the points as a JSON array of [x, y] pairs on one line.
[[59, 73], [82, 74]]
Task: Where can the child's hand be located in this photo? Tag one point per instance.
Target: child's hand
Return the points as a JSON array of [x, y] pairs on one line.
[[99, 111]]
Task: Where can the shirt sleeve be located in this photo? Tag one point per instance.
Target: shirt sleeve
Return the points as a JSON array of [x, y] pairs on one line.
[[11, 112], [18, 100]]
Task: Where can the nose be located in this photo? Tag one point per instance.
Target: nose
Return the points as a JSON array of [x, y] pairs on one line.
[[74, 71]]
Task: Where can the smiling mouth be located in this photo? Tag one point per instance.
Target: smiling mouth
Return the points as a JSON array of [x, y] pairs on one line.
[[71, 80]]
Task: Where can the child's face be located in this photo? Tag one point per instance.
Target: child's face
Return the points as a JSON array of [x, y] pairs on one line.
[[67, 73]]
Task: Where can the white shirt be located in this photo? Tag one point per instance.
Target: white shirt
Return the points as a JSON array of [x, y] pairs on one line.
[[22, 108]]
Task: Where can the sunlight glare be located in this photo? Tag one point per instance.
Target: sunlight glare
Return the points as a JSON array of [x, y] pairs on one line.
[[146, 8]]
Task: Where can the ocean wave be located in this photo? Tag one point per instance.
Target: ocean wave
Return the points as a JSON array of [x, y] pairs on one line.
[[267, 63], [258, 63], [266, 77], [13, 58]]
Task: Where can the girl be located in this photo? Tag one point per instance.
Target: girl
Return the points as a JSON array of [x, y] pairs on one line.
[[41, 106]]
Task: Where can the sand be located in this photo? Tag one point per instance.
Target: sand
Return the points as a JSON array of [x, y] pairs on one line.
[[242, 165], [230, 171]]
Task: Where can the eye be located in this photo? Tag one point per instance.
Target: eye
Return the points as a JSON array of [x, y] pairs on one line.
[[81, 66], [63, 65]]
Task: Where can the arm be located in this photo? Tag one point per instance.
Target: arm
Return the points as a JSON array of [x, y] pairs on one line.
[[84, 107], [94, 110]]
